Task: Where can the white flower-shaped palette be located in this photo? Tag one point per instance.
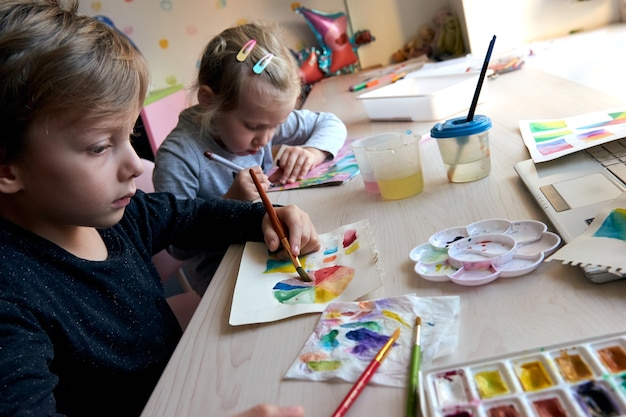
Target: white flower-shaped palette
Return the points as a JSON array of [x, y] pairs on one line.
[[483, 251]]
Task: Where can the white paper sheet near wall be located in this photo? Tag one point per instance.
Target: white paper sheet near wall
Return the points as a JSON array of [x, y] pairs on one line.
[[269, 289], [603, 243]]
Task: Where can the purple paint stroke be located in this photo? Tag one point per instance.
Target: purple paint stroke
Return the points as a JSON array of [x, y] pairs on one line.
[[368, 341]]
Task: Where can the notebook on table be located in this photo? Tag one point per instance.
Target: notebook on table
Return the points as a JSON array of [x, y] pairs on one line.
[[573, 188]]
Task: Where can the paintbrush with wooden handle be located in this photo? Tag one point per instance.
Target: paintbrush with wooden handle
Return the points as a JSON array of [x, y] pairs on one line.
[[278, 227]]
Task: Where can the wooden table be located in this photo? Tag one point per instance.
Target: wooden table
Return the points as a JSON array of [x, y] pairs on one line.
[[218, 370]]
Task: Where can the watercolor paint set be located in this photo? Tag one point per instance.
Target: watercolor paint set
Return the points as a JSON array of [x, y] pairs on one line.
[[586, 378]]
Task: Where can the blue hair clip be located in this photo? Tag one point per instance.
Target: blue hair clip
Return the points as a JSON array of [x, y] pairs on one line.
[[260, 66], [245, 50]]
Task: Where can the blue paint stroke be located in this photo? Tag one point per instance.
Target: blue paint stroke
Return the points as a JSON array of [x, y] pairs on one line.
[[328, 251], [614, 226], [371, 325], [285, 286]]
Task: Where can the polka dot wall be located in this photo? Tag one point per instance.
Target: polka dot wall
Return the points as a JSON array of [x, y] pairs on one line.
[[172, 33]]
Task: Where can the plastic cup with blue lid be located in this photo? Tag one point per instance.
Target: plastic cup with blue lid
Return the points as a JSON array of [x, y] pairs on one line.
[[464, 147]]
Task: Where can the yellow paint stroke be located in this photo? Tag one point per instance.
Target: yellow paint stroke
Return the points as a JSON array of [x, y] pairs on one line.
[[352, 248], [396, 317], [164, 43], [323, 295], [279, 265]]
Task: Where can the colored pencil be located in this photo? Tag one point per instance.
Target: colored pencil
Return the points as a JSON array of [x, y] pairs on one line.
[[223, 161], [413, 406], [365, 377], [278, 227]]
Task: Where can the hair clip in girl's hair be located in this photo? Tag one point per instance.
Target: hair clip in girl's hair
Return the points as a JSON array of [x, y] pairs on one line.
[[245, 50], [260, 66]]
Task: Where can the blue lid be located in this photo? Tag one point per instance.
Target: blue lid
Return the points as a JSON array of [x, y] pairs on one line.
[[461, 127]]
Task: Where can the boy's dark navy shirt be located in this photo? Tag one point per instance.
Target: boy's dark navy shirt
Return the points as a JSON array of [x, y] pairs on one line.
[[90, 338]]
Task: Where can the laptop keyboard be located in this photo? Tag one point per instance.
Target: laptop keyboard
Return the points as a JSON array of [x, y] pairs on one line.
[[612, 155]]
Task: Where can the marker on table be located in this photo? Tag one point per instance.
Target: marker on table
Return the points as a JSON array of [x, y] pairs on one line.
[[365, 84], [223, 161], [397, 77]]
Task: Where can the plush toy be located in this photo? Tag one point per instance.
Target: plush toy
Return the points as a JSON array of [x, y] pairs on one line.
[[421, 44], [448, 39]]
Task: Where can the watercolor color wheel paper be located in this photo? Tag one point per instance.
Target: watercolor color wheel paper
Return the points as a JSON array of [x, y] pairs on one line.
[[268, 289], [549, 139], [349, 334]]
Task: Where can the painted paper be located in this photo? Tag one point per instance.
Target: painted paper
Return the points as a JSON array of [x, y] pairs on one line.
[[549, 139], [269, 288], [337, 171], [349, 335], [603, 243]]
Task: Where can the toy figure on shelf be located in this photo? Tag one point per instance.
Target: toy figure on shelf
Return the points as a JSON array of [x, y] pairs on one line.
[[337, 53]]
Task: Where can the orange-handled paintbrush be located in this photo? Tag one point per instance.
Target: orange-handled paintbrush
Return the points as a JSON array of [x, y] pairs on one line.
[[278, 228]]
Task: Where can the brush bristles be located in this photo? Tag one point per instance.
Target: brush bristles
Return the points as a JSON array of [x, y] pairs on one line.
[[418, 330], [303, 275]]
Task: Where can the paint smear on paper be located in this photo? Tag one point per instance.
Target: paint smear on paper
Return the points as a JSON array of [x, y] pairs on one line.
[[553, 147], [613, 226], [327, 284], [353, 333]]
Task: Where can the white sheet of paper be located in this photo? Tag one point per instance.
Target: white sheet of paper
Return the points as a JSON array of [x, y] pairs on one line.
[[603, 243], [258, 300], [349, 335]]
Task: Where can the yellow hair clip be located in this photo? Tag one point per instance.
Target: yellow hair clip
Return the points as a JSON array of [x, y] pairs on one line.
[[245, 50], [260, 66]]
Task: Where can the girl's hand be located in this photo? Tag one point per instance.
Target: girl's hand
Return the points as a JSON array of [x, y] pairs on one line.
[[243, 187], [302, 235], [268, 410], [295, 162]]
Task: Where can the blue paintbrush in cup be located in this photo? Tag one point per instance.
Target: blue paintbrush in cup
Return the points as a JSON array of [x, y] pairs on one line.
[[462, 141]]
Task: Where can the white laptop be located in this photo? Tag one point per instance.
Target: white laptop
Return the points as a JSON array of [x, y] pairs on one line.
[[572, 189]]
